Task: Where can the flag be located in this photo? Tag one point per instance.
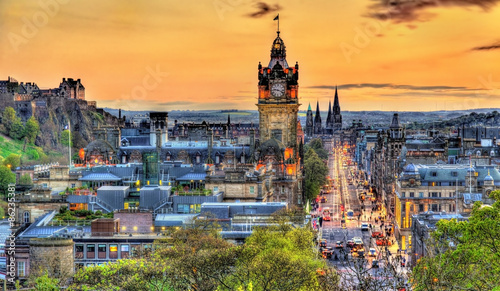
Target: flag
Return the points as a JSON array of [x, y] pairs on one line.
[[277, 17]]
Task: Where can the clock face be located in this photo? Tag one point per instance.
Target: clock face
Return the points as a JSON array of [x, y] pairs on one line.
[[278, 90]]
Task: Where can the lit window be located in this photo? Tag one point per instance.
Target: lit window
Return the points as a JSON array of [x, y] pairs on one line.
[[252, 189], [113, 251]]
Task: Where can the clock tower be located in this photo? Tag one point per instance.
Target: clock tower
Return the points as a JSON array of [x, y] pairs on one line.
[[278, 97], [278, 105]]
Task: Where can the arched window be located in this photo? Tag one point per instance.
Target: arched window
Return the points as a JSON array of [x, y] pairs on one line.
[[26, 217]]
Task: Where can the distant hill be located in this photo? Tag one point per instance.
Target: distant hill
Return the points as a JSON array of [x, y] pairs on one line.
[[438, 119]]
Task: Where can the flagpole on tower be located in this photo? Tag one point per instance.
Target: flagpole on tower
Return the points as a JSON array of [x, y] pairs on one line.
[[278, 18]]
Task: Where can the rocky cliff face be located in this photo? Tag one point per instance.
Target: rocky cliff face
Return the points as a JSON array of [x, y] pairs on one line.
[[59, 112], [55, 113]]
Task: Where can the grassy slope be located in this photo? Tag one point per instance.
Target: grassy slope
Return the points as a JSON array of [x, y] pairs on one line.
[[9, 146]]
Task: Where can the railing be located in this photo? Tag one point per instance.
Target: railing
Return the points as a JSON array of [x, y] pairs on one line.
[[104, 205], [194, 193], [69, 223], [161, 203]]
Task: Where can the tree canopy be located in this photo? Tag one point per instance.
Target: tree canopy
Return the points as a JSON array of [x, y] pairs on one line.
[[31, 129], [315, 172], [279, 257], [6, 177], [463, 255]]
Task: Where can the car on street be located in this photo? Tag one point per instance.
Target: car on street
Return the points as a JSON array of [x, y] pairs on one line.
[[357, 240], [326, 217], [350, 243], [375, 264], [377, 234], [339, 244], [372, 252], [364, 226], [322, 243], [383, 242], [327, 253]]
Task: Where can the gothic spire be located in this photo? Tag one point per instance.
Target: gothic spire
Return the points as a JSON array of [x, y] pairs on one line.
[[336, 101]]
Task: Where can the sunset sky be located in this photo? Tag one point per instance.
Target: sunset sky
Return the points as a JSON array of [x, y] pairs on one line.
[[391, 55]]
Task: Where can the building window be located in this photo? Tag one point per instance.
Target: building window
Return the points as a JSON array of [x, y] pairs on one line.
[[421, 194], [21, 272], [433, 174], [434, 195], [90, 251], [101, 251], [421, 208], [216, 189], [26, 217], [434, 207], [195, 208], [412, 194], [124, 252], [217, 159], [113, 251], [134, 249], [282, 189], [79, 251], [242, 159], [252, 189], [183, 208], [73, 185], [403, 194], [198, 159]]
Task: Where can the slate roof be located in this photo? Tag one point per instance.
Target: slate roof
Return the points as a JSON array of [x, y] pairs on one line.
[[100, 177], [192, 176], [470, 198], [443, 173]]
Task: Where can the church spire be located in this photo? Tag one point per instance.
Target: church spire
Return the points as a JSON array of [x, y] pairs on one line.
[[336, 101], [329, 116]]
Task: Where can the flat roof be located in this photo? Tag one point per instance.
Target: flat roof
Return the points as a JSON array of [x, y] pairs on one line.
[[113, 188]]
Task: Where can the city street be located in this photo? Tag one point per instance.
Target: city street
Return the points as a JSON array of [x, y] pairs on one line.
[[348, 212]]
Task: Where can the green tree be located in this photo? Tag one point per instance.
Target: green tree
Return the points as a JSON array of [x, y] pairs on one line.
[[45, 283], [317, 145], [6, 178], [25, 180], [137, 274], [463, 255], [33, 154], [12, 160], [17, 129], [315, 172], [8, 118], [65, 138], [31, 129], [273, 259]]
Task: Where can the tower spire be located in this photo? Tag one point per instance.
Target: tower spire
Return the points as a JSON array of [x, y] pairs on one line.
[[278, 18], [336, 101]]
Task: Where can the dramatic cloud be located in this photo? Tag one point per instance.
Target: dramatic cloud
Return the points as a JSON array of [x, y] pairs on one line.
[[488, 47], [394, 86], [399, 11], [263, 9]]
